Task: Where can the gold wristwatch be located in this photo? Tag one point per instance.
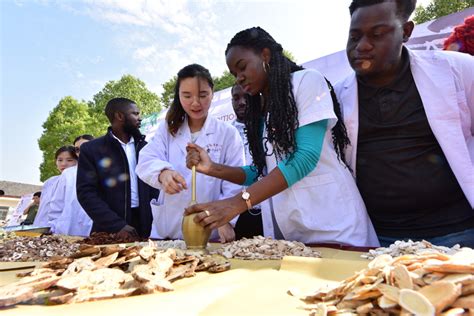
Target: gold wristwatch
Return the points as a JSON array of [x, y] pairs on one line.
[[246, 198]]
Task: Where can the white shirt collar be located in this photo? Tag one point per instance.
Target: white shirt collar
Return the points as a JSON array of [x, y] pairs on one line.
[[131, 141]]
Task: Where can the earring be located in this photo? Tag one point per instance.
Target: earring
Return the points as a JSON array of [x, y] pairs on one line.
[[266, 67]]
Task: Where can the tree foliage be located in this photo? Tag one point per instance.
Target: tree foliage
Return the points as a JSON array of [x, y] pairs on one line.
[[289, 55], [168, 92], [65, 122], [127, 87], [225, 81], [439, 8], [71, 118]]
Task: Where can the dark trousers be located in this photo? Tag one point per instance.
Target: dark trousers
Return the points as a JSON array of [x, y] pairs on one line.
[[249, 225], [135, 222]]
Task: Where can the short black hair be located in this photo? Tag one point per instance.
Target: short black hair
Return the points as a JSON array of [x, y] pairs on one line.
[[233, 86], [404, 7], [38, 194], [117, 105], [85, 136]]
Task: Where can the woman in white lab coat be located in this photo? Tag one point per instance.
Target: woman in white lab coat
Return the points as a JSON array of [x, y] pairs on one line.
[[65, 157], [162, 162], [297, 141], [66, 215]]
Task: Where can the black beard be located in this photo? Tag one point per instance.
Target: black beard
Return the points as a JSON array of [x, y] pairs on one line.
[[131, 130]]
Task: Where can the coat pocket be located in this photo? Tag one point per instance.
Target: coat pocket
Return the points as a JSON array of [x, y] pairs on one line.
[[159, 219]]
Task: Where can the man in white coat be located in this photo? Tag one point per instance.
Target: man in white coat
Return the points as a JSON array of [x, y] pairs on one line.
[[409, 116]]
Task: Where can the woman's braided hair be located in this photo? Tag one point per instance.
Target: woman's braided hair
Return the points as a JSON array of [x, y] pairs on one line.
[[279, 110]]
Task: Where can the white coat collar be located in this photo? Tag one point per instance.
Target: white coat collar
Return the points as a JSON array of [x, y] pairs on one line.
[[183, 136], [350, 112]]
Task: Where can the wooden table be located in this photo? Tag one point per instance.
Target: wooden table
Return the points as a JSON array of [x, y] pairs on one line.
[[249, 288]]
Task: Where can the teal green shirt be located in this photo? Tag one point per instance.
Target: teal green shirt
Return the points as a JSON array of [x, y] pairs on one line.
[[309, 140]]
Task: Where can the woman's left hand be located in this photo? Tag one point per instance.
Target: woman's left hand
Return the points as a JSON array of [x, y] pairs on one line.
[[226, 233], [218, 213]]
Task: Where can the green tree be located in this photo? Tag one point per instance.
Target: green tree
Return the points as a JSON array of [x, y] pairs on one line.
[[69, 119], [439, 8], [289, 55], [168, 92], [226, 80], [127, 87]]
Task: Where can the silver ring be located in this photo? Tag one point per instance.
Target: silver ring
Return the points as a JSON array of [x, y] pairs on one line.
[[207, 213]]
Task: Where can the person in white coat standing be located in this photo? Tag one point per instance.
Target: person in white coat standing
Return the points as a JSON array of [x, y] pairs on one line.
[[162, 162], [65, 157], [409, 116], [66, 216], [297, 142]]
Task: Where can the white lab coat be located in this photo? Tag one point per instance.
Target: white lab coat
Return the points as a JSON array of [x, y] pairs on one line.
[[325, 206], [164, 151], [66, 216], [41, 219], [445, 81]]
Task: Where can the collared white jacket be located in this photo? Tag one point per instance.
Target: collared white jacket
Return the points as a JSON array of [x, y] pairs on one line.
[[66, 216], [325, 206], [445, 81], [49, 186], [164, 151]]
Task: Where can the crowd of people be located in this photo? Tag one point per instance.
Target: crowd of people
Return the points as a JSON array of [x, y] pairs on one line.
[[386, 154]]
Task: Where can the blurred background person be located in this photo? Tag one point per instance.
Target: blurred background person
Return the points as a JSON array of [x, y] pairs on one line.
[[65, 157], [249, 223], [32, 209], [66, 216]]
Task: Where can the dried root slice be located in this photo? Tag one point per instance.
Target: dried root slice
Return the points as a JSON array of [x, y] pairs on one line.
[[463, 278], [453, 312], [105, 262], [115, 293], [391, 292], [11, 295], [156, 285], [321, 310], [369, 279], [380, 261], [441, 294], [147, 252], [433, 277], [415, 303], [386, 303], [220, 268], [108, 250], [60, 299], [86, 251], [58, 264], [465, 302], [402, 277], [465, 256], [467, 289], [364, 309], [451, 268]]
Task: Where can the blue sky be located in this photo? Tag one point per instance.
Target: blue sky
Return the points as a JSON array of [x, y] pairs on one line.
[[51, 49]]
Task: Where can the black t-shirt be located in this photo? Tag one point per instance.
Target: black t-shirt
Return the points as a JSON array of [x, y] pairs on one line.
[[402, 173]]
